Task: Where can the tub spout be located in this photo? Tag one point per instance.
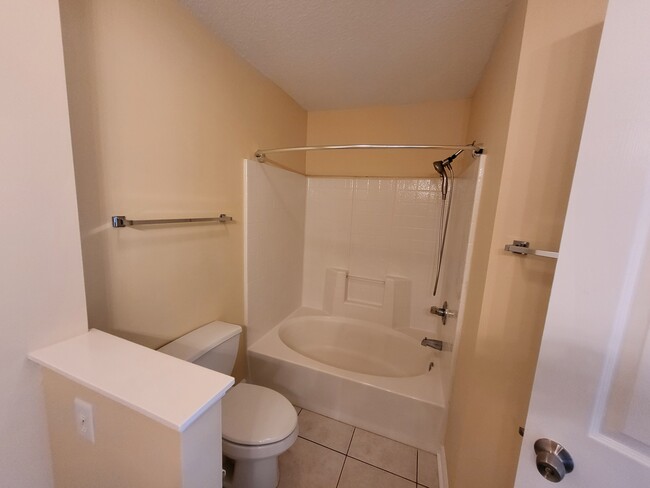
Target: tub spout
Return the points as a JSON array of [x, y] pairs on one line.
[[436, 344]]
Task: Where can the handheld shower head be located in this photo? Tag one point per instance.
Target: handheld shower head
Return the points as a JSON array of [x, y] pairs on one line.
[[440, 166], [444, 186]]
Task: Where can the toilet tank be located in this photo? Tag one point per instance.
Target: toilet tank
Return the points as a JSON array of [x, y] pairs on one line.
[[212, 346]]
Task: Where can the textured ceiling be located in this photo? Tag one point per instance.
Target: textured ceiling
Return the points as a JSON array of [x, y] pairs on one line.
[[331, 54]]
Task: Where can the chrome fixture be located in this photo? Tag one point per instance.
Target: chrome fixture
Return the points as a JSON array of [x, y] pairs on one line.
[[553, 461], [442, 312], [260, 154], [522, 247], [122, 221], [442, 167], [436, 344]]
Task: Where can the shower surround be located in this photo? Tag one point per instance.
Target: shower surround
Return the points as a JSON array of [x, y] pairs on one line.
[[362, 251]]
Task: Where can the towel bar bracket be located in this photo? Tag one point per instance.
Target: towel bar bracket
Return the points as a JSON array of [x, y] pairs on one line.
[[523, 247]]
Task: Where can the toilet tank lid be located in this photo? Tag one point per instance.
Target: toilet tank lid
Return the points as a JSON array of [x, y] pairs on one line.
[[195, 344]]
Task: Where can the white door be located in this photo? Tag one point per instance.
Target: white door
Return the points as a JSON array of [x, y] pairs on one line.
[[592, 386]]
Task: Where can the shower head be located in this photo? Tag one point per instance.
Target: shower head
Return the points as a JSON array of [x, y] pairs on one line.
[[440, 166]]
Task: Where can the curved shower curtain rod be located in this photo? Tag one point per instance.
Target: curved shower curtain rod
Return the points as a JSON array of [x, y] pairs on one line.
[[260, 154]]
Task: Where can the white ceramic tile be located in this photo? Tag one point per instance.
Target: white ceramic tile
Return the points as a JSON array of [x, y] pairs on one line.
[[360, 475], [375, 227], [368, 260], [308, 465], [325, 431], [427, 183], [384, 453], [382, 206], [327, 234], [407, 184]]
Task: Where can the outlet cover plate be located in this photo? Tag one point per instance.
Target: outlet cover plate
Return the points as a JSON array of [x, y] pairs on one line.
[[83, 415]]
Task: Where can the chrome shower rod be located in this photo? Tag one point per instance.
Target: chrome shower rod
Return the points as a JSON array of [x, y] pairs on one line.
[[260, 154]]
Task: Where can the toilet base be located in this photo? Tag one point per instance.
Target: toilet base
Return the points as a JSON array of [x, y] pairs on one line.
[[257, 473], [255, 466]]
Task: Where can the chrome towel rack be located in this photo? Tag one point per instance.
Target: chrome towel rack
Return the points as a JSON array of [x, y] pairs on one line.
[[122, 221], [522, 247]]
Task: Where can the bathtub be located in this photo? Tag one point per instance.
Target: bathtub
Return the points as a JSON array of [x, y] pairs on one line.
[[365, 374]]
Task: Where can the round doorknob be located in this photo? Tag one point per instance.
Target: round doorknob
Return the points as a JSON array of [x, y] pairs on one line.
[[553, 461]]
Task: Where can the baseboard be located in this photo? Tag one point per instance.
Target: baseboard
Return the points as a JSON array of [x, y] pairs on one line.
[[443, 480]]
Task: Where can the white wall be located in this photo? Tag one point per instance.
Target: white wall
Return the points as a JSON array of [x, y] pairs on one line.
[[162, 113], [41, 282], [275, 229]]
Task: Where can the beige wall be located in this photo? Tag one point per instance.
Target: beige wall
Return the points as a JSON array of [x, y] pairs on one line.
[[130, 449], [162, 116], [41, 281], [425, 123], [532, 131]]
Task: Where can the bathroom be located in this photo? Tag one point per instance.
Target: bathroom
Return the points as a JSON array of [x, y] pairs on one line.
[[165, 120]]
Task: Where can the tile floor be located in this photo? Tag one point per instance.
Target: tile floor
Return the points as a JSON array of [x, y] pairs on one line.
[[331, 454]]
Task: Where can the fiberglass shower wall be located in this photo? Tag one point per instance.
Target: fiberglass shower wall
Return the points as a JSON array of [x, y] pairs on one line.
[[274, 207], [378, 227], [297, 227], [455, 268]]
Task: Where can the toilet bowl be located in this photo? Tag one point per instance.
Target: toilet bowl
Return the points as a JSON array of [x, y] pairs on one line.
[[258, 424]]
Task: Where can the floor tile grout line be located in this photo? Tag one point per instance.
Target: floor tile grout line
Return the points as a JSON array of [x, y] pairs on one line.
[[341, 472], [322, 445], [383, 469], [328, 418], [346, 456], [417, 469], [350, 443]]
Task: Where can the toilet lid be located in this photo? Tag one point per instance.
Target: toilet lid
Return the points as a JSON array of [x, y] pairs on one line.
[[255, 415]]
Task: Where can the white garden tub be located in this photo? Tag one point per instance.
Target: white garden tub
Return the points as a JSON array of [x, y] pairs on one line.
[[358, 372]]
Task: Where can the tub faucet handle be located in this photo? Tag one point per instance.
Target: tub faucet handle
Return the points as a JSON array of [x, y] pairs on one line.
[[442, 312]]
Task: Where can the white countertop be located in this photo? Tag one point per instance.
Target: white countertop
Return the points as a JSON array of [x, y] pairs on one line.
[[166, 389]]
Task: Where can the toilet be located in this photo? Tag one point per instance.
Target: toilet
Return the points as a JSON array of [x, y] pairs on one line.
[[258, 424]]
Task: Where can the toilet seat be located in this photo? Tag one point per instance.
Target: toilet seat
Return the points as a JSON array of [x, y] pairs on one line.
[[256, 416], [263, 451]]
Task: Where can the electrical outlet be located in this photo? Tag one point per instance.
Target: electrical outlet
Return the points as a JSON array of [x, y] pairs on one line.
[[83, 414]]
